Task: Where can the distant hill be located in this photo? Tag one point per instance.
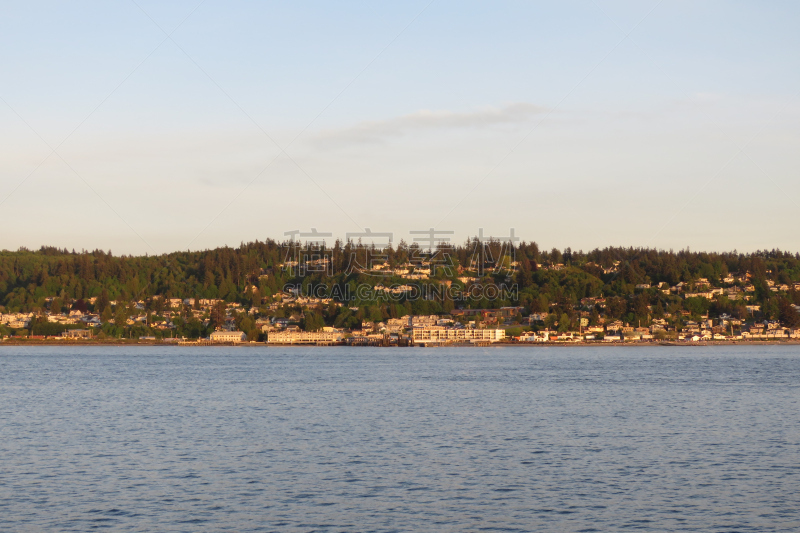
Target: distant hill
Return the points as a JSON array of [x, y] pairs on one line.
[[636, 284]]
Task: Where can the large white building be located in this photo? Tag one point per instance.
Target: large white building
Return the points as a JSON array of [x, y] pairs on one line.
[[440, 334], [303, 337], [228, 336]]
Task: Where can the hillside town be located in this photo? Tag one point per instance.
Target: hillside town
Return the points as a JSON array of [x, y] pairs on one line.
[[482, 293], [284, 320]]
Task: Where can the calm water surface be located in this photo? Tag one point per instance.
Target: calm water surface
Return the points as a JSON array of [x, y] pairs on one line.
[[342, 439]]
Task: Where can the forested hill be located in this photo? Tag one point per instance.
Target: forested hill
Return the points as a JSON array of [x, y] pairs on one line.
[[254, 271]]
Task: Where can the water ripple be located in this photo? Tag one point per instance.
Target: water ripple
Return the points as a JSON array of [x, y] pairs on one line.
[[522, 439]]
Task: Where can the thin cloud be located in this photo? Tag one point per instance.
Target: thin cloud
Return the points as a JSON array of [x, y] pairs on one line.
[[427, 120]]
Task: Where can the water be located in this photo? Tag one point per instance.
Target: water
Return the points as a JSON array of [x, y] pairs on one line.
[[342, 439]]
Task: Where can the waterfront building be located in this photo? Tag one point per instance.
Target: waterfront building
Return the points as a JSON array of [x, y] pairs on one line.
[[439, 335], [304, 337], [228, 336]]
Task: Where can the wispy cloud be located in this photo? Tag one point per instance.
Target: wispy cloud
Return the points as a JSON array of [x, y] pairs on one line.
[[427, 120]]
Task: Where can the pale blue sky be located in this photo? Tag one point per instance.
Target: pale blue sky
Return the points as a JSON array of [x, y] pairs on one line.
[[399, 116]]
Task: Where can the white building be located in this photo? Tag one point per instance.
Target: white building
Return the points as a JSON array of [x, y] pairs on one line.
[[304, 337], [542, 336], [423, 320], [228, 336], [439, 334]]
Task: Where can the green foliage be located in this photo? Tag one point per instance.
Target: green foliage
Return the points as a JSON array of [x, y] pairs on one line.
[[788, 315], [697, 306], [313, 321], [193, 329], [41, 326], [120, 316], [28, 277], [218, 315], [564, 323], [516, 331]]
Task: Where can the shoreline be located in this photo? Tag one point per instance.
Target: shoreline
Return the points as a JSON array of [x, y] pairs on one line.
[[74, 343]]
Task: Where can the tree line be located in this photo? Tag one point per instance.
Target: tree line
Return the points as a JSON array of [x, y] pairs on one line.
[[553, 281]]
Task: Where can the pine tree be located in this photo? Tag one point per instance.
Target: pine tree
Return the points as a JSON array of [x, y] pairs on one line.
[[787, 314]]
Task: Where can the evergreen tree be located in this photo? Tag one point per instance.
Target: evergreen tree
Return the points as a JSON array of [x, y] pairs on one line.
[[102, 301], [787, 314]]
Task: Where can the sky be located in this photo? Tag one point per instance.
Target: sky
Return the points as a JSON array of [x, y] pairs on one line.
[[149, 127]]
